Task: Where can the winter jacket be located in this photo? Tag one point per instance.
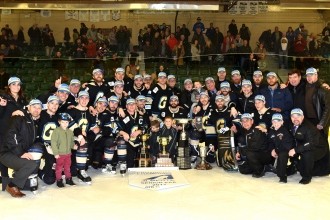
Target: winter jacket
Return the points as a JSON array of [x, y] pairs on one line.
[[62, 141]]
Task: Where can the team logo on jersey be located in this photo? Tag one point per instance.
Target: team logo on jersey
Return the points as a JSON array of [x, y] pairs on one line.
[[221, 123], [162, 102], [83, 123], [48, 130]]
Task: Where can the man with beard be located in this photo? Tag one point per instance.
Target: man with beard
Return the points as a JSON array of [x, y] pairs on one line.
[[253, 148], [174, 109], [47, 123], [160, 95], [278, 99], [100, 134], [262, 116], [222, 120], [257, 84], [131, 127], [311, 149], [236, 82], [80, 125], [141, 108], [208, 134], [110, 158], [96, 88], [138, 87]]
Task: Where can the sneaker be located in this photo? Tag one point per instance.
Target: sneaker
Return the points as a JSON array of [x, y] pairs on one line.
[[82, 175], [59, 184], [69, 181]]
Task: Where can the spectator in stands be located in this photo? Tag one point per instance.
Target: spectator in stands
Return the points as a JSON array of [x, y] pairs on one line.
[[163, 52], [112, 39], [20, 37], [300, 49], [75, 35], [198, 35], [4, 50], [232, 58], [325, 45], [9, 32], [92, 33], [300, 30], [35, 36], [266, 39], [49, 43], [210, 33], [172, 42], [245, 33], [67, 37], [91, 49], [283, 52], [232, 28], [179, 53], [195, 53], [218, 40], [276, 40], [58, 62], [326, 29], [83, 29], [244, 51], [185, 31], [238, 41], [14, 53], [260, 49], [250, 66], [228, 40], [198, 25], [3, 79], [290, 37]]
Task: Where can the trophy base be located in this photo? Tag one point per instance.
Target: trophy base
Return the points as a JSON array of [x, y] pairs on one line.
[[164, 161], [204, 166]]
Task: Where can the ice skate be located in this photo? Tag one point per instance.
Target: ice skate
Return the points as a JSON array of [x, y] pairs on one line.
[[83, 176], [122, 168], [109, 169]]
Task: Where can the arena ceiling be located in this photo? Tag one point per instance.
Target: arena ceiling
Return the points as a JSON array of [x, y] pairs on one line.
[[153, 4]]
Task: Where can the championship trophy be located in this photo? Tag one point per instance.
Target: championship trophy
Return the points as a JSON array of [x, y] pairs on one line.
[[144, 160], [164, 159], [183, 158], [203, 165]]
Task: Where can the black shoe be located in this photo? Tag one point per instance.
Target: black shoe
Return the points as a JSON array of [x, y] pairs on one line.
[[304, 181], [59, 184], [283, 179], [258, 175], [0, 179], [69, 182]]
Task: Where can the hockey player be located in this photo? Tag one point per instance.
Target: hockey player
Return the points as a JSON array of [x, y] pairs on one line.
[[262, 116], [130, 128], [160, 95], [79, 125], [96, 88], [209, 133], [281, 142], [174, 109], [246, 98], [110, 160], [253, 150], [118, 91], [222, 120], [100, 134], [47, 124], [138, 88], [120, 76], [171, 82]]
